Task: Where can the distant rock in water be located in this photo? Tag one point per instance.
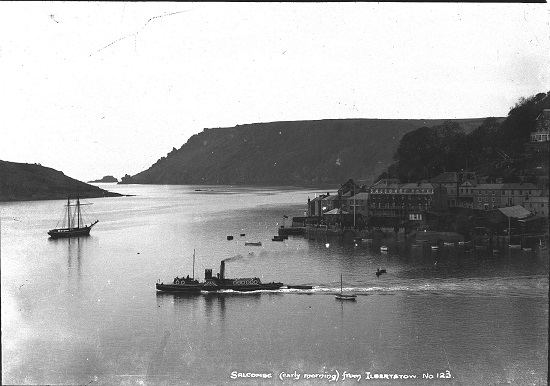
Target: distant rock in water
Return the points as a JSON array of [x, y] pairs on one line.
[[104, 179], [25, 182]]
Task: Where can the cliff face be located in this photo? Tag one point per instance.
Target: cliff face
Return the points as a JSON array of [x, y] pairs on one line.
[[24, 182], [287, 153]]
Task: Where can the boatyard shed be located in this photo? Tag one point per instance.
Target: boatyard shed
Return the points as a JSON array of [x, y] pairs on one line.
[[502, 219]]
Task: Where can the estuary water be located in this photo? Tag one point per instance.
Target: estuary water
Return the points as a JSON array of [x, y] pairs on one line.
[[85, 311]]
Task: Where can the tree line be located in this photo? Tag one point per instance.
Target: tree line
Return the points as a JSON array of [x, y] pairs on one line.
[[429, 151]]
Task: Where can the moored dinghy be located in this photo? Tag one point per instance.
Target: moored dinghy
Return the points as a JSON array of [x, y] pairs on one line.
[[253, 243]]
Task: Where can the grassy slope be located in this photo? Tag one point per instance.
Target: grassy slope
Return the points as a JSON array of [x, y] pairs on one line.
[[22, 182], [288, 153]]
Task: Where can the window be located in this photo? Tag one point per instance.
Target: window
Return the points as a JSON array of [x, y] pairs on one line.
[[479, 199]]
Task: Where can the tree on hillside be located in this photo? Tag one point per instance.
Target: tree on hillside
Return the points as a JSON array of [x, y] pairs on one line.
[[428, 151], [414, 156], [450, 141]]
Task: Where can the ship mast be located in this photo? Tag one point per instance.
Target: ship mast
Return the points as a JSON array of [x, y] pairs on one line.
[[68, 213], [78, 209]]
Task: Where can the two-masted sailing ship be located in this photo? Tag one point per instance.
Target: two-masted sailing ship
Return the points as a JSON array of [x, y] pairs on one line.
[[72, 222]]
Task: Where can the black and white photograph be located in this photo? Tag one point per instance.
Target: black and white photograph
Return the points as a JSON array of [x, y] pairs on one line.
[[261, 193]]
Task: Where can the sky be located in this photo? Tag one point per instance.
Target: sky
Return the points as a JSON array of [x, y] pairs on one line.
[[95, 89]]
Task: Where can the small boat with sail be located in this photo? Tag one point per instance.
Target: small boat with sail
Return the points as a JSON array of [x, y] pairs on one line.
[[75, 227], [342, 295]]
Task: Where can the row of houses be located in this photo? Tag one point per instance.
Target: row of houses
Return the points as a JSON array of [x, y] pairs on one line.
[[465, 191], [388, 198]]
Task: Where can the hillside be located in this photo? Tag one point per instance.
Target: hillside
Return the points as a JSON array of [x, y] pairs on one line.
[[24, 182], [296, 153]]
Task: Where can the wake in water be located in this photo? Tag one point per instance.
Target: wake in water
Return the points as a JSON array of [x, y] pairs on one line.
[[518, 286]]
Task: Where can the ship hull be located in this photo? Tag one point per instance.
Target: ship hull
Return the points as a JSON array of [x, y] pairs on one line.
[[214, 288], [187, 288], [72, 232], [243, 288]]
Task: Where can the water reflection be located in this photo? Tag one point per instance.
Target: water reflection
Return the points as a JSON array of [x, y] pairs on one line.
[[214, 303], [74, 250]]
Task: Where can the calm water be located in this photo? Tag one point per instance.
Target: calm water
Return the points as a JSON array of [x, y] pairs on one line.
[[85, 311]]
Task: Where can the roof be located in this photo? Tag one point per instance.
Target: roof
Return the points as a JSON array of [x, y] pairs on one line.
[[517, 211], [446, 177], [338, 211], [386, 182], [517, 185], [468, 183], [361, 196], [490, 186], [413, 185]]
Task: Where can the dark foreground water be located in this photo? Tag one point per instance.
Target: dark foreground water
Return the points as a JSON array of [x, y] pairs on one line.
[[85, 311]]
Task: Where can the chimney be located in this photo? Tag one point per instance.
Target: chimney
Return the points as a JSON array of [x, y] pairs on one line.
[[222, 270]]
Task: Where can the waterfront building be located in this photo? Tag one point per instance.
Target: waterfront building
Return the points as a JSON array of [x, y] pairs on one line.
[[487, 196], [449, 181], [320, 204], [509, 220], [466, 194], [518, 193], [359, 203], [409, 201], [382, 203], [537, 205], [452, 181]]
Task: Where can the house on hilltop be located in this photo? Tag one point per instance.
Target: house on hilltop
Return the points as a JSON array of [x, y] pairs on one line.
[[540, 138]]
